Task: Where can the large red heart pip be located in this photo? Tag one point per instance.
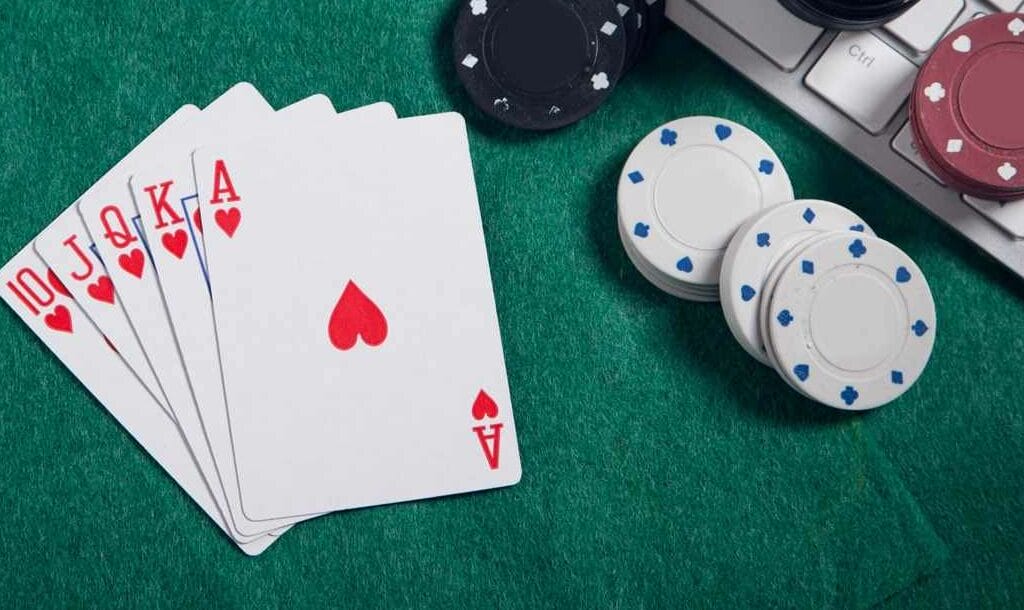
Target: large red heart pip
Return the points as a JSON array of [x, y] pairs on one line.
[[484, 406], [60, 319], [133, 262], [175, 242], [354, 316]]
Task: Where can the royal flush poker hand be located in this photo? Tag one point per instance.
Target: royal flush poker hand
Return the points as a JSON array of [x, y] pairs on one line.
[[256, 297]]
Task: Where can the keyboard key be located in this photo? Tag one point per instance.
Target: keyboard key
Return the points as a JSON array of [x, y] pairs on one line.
[[922, 27], [864, 78], [1007, 6], [1007, 216], [766, 26], [903, 144]]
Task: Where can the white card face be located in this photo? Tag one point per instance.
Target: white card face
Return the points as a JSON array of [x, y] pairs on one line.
[[358, 335], [68, 250], [110, 216], [64, 329], [183, 282]]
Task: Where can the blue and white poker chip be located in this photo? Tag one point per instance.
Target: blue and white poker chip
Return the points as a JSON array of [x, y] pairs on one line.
[[686, 188], [851, 321], [761, 242]]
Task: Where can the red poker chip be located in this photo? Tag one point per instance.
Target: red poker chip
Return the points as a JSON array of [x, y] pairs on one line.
[[954, 181], [967, 108]]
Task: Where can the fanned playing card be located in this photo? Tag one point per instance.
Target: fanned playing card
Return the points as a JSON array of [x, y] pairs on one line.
[[164, 193], [358, 336], [43, 303]]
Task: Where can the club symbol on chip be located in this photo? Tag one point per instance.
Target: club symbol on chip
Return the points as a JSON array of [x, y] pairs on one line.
[[849, 395], [785, 318], [669, 137], [766, 167], [600, 81], [764, 240], [858, 249], [935, 92], [641, 230], [502, 104], [479, 7]]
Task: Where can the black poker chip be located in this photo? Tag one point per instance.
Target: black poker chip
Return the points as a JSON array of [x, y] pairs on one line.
[[540, 64], [848, 14]]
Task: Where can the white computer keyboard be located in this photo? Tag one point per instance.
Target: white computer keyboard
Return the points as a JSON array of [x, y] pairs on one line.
[[853, 86]]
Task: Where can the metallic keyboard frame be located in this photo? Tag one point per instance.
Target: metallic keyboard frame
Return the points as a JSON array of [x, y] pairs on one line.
[[875, 151]]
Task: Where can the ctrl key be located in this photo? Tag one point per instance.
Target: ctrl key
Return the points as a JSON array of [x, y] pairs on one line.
[[865, 78]]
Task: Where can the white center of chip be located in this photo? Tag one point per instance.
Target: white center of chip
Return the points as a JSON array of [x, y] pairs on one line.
[[704, 193], [855, 320]]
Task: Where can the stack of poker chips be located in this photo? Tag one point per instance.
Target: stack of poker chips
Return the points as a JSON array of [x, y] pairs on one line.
[[849, 14], [706, 213], [967, 108], [544, 64]]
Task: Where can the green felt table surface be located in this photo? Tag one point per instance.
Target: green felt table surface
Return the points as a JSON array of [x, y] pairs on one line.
[[662, 466]]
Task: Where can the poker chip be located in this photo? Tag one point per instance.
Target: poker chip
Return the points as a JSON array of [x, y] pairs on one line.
[[757, 245], [683, 192], [848, 14], [851, 321], [539, 64], [966, 108], [545, 64]]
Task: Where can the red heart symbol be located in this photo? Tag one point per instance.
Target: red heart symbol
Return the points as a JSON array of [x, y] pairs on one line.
[[175, 242], [132, 262], [60, 319], [56, 283], [228, 220], [356, 315], [102, 290], [484, 406], [197, 220]]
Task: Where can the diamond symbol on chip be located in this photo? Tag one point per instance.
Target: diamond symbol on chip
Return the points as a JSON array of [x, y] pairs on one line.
[[600, 81], [1007, 171], [954, 146], [809, 215], [935, 92], [608, 28], [1016, 26], [962, 44], [479, 7], [502, 104], [470, 60]]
